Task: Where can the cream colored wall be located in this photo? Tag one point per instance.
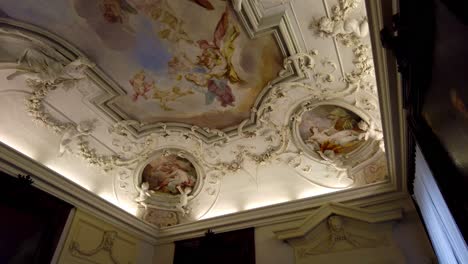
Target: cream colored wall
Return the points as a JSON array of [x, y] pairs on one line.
[[92, 240], [408, 235], [164, 254], [268, 249], [145, 252]]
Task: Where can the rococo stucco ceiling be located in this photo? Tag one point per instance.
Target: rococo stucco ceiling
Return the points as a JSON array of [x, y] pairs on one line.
[[183, 110]]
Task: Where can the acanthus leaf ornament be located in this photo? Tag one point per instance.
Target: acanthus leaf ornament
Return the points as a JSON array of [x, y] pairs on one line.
[[305, 62], [347, 30], [46, 72]]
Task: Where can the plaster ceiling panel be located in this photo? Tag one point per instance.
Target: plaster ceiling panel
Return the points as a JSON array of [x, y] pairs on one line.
[[333, 51], [346, 54], [264, 185], [36, 141], [177, 118], [304, 12]]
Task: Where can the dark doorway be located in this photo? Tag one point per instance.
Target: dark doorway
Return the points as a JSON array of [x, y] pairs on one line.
[[31, 223]]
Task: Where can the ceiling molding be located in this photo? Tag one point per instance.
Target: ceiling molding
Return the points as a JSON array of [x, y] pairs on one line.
[[270, 215], [390, 96], [14, 163]]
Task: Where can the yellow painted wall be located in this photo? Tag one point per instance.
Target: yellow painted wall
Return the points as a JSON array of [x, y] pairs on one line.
[[86, 243]]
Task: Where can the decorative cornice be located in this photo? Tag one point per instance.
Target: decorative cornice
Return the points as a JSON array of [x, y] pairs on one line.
[[275, 214], [106, 244], [14, 163], [49, 181], [394, 123], [366, 215]]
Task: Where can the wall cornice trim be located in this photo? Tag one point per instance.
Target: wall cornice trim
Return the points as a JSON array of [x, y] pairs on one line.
[[390, 94], [366, 215], [13, 163]]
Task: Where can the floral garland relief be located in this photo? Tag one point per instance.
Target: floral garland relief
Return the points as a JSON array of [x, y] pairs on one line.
[[44, 73]]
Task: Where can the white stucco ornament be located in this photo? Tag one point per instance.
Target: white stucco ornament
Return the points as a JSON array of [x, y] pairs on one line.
[[182, 206], [143, 193], [41, 64], [73, 132]]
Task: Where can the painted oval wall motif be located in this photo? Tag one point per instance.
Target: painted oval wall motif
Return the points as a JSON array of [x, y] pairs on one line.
[[331, 130], [167, 173]]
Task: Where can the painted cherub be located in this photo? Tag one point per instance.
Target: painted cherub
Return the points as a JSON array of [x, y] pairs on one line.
[[141, 86], [117, 11], [215, 70], [165, 97]]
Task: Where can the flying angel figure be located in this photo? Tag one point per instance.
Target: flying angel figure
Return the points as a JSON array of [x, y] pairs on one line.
[[215, 70], [141, 86], [116, 11]]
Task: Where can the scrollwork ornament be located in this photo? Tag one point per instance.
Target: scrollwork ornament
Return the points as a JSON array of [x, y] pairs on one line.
[[106, 244], [45, 73], [305, 62]]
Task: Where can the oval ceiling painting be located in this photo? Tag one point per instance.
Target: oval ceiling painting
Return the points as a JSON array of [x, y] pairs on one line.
[[331, 130], [169, 174]]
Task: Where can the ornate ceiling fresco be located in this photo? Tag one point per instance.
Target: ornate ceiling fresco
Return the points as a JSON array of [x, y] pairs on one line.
[[184, 110], [167, 64]]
